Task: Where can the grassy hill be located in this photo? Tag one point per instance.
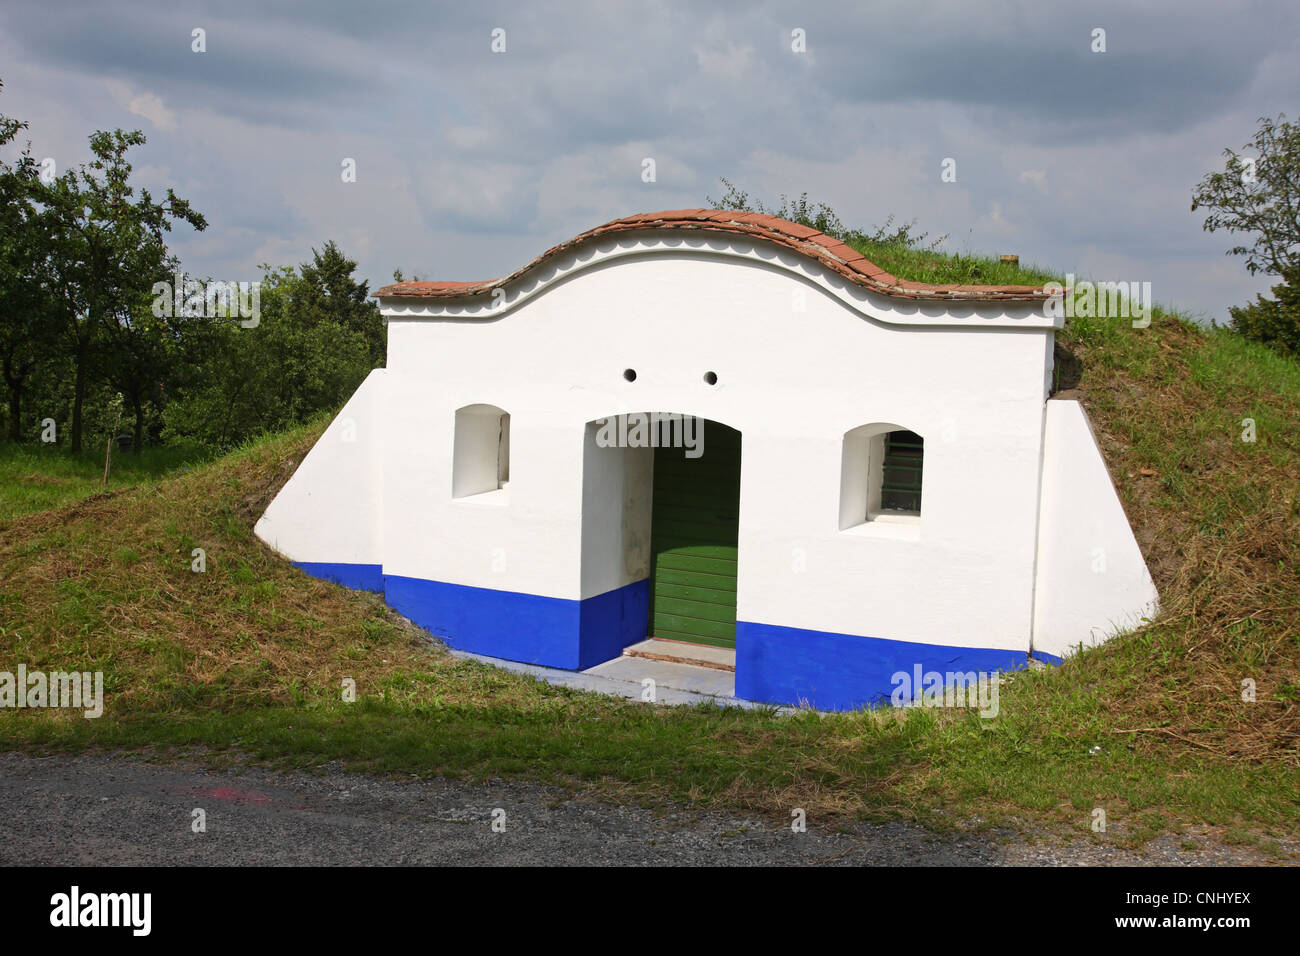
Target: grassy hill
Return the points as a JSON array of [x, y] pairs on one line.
[[39, 477], [1152, 727]]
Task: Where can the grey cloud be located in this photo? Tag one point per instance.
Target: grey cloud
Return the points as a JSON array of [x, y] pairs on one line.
[[475, 162]]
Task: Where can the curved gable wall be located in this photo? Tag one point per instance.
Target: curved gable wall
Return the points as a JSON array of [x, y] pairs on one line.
[[793, 382]]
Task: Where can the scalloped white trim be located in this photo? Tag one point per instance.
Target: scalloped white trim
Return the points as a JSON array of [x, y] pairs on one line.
[[880, 308]]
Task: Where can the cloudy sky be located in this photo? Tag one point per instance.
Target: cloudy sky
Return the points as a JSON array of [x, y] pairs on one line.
[[469, 162]]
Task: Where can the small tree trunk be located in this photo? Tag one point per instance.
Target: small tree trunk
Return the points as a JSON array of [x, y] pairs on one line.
[[138, 438], [15, 413], [108, 456], [78, 398]]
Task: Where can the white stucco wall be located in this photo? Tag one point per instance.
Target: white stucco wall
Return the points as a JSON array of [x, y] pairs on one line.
[[798, 367], [331, 509], [617, 496], [1092, 579]]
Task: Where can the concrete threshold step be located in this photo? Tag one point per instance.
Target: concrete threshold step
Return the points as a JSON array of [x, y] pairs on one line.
[[680, 652], [668, 676]]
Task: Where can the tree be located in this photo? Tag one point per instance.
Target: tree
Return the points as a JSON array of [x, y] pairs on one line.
[[308, 353], [328, 289], [1259, 196], [27, 312], [109, 250], [20, 287], [1274, 322], [139, 361]]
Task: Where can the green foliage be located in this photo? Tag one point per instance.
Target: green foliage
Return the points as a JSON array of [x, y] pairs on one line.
[[108, 248], [329, 290], [310, 350], [82, 343], [821, 217], [1274, 322], [26, 327], [1259, 196]]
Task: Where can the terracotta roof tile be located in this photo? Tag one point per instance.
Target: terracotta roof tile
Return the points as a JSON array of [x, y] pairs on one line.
[[677, 214], [867, 268], [832, 253], [414, 284], [795, 229]]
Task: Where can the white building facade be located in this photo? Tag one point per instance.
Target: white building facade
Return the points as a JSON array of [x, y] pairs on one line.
[[866, 475]]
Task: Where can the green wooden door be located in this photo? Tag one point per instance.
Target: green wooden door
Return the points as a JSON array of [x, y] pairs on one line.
[[693, 540]]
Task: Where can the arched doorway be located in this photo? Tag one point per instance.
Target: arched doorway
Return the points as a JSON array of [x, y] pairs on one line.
[[695, 521]]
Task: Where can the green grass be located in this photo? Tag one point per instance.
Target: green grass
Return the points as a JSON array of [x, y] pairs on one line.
[[37, 477], [920, 265], [248, 658]]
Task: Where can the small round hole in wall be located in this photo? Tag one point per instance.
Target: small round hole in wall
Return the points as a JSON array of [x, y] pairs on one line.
[[711, 378], [629, 374]]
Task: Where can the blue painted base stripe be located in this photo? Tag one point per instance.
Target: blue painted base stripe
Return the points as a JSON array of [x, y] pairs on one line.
[[1047, 658], [827, 671], [613, 620], [554, 632], [362, 577], [518, 627], [774, 664]]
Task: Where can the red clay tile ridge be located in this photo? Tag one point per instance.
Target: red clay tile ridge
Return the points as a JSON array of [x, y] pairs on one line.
[[829, 252]]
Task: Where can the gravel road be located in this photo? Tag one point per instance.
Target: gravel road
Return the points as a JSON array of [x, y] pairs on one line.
[[111, 809]]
